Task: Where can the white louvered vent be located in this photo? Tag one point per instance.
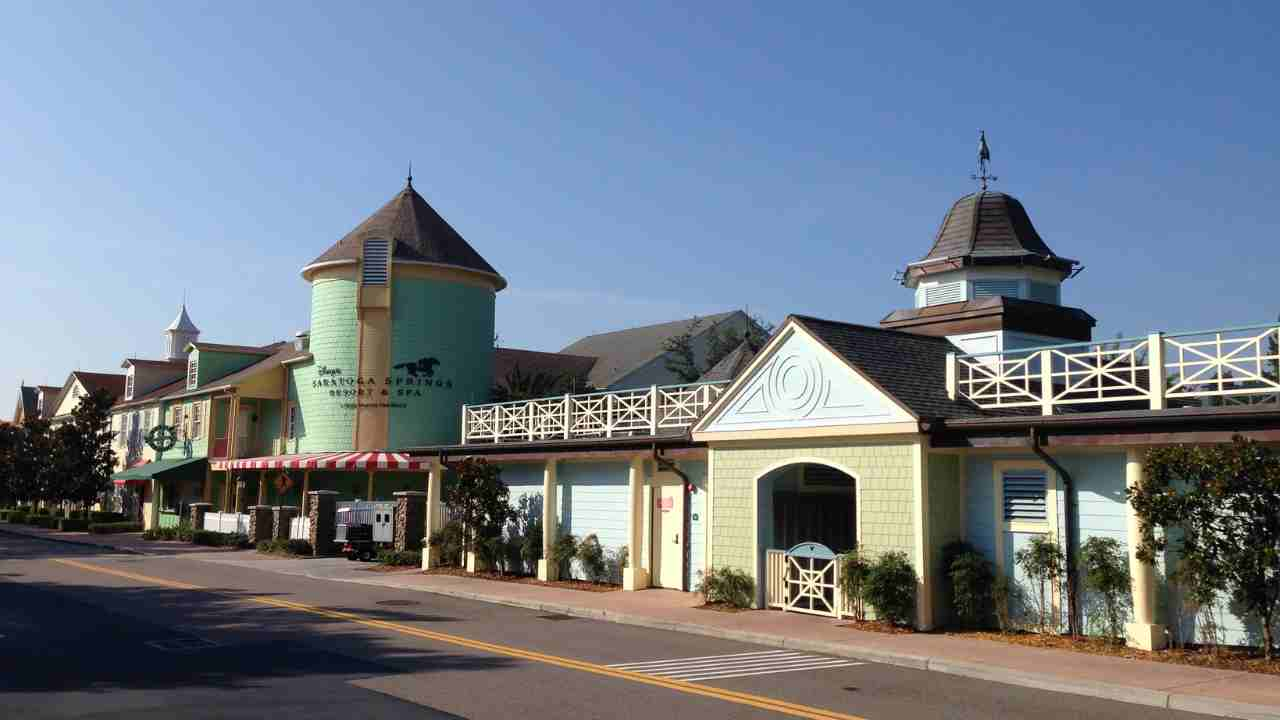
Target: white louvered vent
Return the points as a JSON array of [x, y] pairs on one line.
[[374, 266], [193, 372], [944, 293], [995, 288], [1024, 495], [1044, 292]]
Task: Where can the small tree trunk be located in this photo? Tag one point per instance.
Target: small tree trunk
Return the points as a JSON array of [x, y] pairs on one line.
[[1267, 648]]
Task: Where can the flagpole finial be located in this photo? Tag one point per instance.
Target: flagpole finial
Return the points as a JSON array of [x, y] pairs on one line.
[[984, 175], [409, 180]]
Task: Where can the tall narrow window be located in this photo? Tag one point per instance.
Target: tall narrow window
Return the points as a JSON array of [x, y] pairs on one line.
[[374, 265], [146, 421], [128, 385], [1024, 495], [197, 420], [122, 430], [193, 371], [177, 420], [291, 430]]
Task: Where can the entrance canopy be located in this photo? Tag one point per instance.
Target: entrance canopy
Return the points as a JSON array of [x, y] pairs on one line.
[[328, 461], [140, 474]]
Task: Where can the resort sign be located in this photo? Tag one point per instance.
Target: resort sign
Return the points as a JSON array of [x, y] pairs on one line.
[[408, 381]]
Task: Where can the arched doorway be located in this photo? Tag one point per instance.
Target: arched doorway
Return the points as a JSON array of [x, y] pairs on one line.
[[804, 501]]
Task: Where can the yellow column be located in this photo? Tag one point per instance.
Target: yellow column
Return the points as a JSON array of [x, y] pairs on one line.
[[635, 577], [262, 488], [550, 529], [306, 487], [371, 485], [1143, 632], [434, 514]]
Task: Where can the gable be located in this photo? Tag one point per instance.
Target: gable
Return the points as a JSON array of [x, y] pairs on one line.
[[799, 383], [70, 397]]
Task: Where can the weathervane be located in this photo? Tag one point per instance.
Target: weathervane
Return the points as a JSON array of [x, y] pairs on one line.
[[409, 180], [984, 175]]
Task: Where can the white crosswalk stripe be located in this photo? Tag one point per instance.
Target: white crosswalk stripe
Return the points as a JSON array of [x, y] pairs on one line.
[[723, 667]]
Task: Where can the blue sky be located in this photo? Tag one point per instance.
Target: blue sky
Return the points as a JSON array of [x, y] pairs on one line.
[[621, 165]]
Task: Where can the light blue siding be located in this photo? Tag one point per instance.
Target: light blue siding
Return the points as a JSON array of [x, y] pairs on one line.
[[697, 472], [522, 479], [593, 499]]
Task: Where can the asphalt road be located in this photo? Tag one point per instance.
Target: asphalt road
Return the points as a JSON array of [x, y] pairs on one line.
[[87, 634]]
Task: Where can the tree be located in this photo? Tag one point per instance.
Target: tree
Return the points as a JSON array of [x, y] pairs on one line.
[[85, 453], [1271, 369], [478, 500], [1043, 562], [33, 462], [519, 385], [680, 357], [10, 440], [1222, 501], [1106, 573]]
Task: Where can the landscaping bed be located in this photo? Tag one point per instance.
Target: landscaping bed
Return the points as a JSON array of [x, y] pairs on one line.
[[583, 585], [724, 607], [878, 626], [1226, 658]]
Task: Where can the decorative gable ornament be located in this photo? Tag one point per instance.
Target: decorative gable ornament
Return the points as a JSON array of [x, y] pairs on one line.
[[797, 382]]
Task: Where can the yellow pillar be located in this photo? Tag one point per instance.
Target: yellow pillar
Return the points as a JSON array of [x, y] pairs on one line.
[[1143, 632], [306, 487], [370, 485], [635, 577], [434, 514], [550, 530], [262, 488]]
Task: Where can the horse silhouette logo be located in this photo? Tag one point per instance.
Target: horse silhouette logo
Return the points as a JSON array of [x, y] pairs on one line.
[[424, 366]]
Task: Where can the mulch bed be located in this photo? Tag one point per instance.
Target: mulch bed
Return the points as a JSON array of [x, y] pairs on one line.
[[1243, 660], [721, 607], [583, 585], [391, 568], [878, 626]]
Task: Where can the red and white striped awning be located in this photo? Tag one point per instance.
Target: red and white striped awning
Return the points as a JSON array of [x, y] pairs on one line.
[[331, 461]]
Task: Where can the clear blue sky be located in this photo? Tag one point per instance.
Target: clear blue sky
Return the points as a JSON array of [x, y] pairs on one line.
[[621, 166]]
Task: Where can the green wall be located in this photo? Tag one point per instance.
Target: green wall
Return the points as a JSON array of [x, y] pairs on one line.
[[326, 424], [211, 365], [452, 323]]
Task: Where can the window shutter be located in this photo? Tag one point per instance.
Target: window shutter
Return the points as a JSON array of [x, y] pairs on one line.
[[1024, 495], [193, 372], [944, 293], [374, 265], [996, 288]]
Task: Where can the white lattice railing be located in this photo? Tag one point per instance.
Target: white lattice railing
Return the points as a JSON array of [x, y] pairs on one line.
[[1231, 366], [622, 413]]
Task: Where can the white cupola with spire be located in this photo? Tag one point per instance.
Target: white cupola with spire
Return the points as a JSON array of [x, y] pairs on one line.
[[180, 333]]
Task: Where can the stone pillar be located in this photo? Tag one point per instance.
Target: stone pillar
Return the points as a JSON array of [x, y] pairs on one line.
[[550, 524], [282, 516], [411, 519], [635, 577], [198, 510], [1143, 632], [434, 513], [323, 513], [261, 523]]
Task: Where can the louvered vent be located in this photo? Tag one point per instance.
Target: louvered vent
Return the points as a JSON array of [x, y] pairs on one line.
[[944, 293], [1044, 292], [374, 267], [1024, 495], [995, 288]]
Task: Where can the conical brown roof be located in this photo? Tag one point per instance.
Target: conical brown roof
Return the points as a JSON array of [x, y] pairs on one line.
[[991, 228], [418, 234]]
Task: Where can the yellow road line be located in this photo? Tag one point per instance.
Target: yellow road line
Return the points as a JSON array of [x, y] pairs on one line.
[[758, 701]]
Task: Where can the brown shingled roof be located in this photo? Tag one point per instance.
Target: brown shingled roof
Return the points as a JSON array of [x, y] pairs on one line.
[[419, 234], [575, 367], [991, 228]]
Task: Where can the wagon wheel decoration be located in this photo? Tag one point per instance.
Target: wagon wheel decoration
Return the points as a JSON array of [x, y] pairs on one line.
[[162, 437], [283, 483]]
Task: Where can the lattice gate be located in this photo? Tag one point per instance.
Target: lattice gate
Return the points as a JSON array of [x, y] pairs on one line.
[[811, 580]]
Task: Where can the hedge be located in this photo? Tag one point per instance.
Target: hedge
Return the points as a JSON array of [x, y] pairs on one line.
[[115, 527], [285, 547], [73, 525], [400, 557], [212, 538], [106, 517], [18, 517], [47, 522]]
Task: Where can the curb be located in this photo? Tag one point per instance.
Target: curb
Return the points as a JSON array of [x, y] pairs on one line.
[[69, 541], [1105, 691]]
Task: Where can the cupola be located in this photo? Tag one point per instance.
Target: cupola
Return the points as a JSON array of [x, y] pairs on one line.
[[180, 333]]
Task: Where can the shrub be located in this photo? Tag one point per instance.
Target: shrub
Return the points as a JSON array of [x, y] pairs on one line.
[[591, 559], [891, 588], [400, 557], [48, 522], [447, 542], [727, 585], [854, 570], [105, 517], [17, 517], [115, 527], [212, 538], [563, 551], [1002, 592], [971, 579], [285, 547], [73, 525], [531, 544], [1043, 562], [1106, 574]]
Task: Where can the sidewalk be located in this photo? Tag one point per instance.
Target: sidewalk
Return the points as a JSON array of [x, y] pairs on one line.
[[130, 543], [1221, 693]]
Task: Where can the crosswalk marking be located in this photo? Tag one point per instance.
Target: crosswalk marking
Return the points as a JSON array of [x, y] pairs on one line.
[[723, 667]]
